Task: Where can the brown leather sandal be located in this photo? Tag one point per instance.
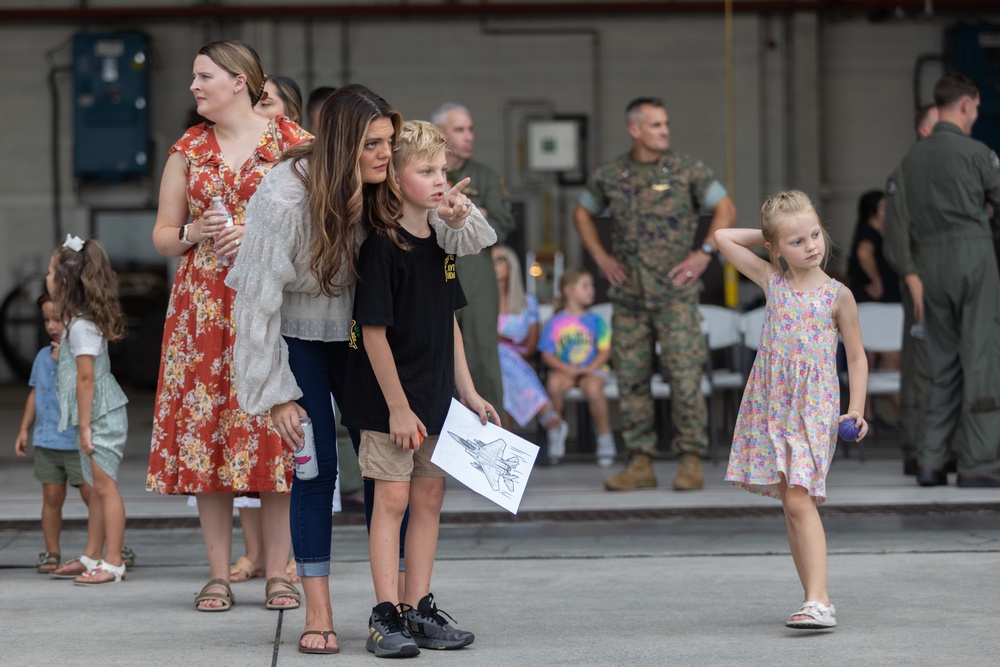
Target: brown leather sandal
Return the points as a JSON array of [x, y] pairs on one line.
[[226, 598], [243, 570], [277, 587], [326, 640]]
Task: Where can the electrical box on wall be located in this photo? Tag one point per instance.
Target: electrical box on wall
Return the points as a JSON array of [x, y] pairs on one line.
[[974, 50], [110, 106]]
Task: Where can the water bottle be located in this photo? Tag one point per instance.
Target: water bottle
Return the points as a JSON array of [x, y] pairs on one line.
[[918, 331], [306, 466], [219, 208]]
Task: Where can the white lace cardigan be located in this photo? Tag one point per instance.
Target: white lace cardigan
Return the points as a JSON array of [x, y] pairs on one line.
[[277, 295]]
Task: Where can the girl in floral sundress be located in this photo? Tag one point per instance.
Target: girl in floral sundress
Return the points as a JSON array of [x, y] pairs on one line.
[[787, 427]]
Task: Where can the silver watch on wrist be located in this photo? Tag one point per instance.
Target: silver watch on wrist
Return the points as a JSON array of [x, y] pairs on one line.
[[708, 249], [184, 235]]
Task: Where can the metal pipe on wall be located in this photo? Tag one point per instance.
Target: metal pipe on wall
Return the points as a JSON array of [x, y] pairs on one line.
[[439, 11]]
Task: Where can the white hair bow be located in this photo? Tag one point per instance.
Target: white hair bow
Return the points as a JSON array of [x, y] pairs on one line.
[[73, 243]]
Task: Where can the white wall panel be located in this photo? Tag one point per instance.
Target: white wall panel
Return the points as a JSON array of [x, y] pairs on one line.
[[867, 90]]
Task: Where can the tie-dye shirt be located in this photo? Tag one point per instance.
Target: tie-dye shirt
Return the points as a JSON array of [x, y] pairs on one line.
[[575, 339]]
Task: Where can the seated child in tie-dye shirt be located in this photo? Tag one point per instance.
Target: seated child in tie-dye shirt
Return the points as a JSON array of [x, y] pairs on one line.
[[575, 346]]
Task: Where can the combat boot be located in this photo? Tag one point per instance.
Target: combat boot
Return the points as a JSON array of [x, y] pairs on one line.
[[637, 475], [689, 477]]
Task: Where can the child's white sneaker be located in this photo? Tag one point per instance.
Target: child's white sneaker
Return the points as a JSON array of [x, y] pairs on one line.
[[557, 441], [605, 450]]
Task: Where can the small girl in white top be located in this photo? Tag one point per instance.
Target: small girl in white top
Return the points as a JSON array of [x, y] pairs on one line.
[[85, 290]]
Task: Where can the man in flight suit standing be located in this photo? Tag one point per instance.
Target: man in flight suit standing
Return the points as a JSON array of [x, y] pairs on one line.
[[915, 367], [943, 187], [655, 196], [478, 320]]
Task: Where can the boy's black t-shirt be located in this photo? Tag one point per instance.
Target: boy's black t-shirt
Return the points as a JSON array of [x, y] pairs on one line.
[[414, 294]]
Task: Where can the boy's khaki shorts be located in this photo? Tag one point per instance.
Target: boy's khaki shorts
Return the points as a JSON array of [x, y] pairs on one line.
[[58, 466], [380, 459]]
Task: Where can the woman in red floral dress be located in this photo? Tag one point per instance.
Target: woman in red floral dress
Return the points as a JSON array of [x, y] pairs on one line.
[[203, 444]]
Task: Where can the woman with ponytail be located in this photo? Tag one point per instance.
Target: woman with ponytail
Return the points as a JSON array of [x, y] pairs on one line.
[[203, 443]]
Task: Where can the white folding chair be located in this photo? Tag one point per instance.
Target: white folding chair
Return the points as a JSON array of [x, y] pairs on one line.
[[721, 327], [881, 331], [752, 327]]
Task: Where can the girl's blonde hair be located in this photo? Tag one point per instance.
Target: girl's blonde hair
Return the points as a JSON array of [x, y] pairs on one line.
[[238, 58], [776, 209], [338, 199], [569, 278], [516, 301], [86, 285]]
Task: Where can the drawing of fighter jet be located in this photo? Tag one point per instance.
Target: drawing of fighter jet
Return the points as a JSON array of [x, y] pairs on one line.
[[488, 459]]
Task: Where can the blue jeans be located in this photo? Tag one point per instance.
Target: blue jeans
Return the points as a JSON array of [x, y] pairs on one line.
[[319, 369]]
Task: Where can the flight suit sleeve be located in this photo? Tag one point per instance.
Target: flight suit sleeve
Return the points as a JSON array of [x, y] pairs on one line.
[[991, 180], [498, 210], [896, 234]]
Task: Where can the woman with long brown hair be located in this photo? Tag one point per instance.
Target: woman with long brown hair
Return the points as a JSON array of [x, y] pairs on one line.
[[203, 443], [295, 284]]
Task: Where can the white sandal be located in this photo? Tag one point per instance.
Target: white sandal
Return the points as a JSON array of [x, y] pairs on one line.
[[821, 616], [89, 565], [88, 579]]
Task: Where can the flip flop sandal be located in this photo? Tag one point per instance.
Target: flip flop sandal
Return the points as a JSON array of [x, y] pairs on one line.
[[90, 578], [326, 640], [47, 562], [820, 616], [243, 570], [277, 587], [80, 565], [227, 599]]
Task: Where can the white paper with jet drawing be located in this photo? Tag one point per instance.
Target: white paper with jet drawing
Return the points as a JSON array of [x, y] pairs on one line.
[[491, 461]]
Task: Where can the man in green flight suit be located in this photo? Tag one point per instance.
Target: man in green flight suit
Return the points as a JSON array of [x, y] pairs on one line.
[[655, 196], [915, 367], [942, 188], [478, 320]]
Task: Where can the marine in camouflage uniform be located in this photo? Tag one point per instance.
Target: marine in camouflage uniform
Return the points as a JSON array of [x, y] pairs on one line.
[[655, 197], [942, 187]]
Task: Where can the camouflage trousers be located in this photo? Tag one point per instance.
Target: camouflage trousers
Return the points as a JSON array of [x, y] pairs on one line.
[[682, 357]]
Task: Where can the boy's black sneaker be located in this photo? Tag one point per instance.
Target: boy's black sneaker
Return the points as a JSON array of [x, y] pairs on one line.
[[388, 636], [430, 630]]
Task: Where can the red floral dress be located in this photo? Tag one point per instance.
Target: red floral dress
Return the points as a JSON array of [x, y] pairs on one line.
[[202, 440]]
